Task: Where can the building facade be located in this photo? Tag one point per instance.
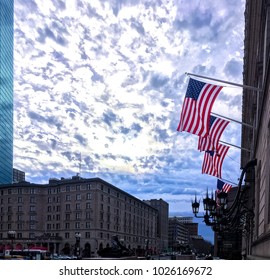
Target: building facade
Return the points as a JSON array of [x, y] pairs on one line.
[[6, 91], [162, 222], [181, 229], [256, 111], [228, 244], [18, 176], [53, 214]]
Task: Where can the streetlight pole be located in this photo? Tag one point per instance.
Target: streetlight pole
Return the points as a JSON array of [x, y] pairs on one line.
[[77, 245], [11, 236]]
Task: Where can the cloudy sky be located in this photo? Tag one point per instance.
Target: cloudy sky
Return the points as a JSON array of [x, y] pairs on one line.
[[99, 86]]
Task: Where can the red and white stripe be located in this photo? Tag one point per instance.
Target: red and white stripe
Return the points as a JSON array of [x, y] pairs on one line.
[[212, 165], [210, 142], [196, 113]]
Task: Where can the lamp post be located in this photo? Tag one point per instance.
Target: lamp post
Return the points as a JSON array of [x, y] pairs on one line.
[[223, 218], [11, 236], [77, 245]]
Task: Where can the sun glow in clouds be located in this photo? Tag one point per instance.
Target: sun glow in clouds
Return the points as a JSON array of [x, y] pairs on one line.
[[106, 79]]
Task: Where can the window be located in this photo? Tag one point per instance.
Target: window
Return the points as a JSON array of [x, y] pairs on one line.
[[49, 191], [32, 208], [78, 206], [49, 226], [19, 191], [88, 196], [32, 218], [32, 199], [49, 199], [87, 215], [67, 225], [101, 216], [88, 205], [66, 235], [68, 188], [88, 225], [32, 191], [78, 216], [19, 235], [78, 196], [67, 217], [67, 207], [9, 191], [19, 217], [19, 226], [87, 234], [68, 198], [77, 225], [31, 235], [32, 226]]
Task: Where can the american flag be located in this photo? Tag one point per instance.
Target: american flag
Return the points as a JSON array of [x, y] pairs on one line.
[[212, 162], [210, 142], [223, 187], [197, 106]]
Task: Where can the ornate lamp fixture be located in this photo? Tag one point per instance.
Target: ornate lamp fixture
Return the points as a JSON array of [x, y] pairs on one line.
[[222, 218]]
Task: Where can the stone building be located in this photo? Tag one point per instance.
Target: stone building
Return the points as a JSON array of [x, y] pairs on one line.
[[181, 229], [256, 111], [52, 214], [162, 222]]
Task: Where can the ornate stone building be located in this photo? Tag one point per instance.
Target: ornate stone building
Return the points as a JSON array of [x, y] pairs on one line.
[[52, 214], [256, 111]]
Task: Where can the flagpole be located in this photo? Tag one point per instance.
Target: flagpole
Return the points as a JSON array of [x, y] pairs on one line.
[[225, 82], [226, 143], [228, 181], [246, 124]]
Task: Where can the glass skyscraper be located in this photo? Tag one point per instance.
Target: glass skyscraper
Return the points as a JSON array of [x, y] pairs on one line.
[[6, 90]]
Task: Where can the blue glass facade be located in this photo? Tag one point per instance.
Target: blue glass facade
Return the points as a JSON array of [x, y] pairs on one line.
[[6, 90]]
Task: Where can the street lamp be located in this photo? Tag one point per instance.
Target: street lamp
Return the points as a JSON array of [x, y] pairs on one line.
[[221, 217], [77, 245], [11, 236]]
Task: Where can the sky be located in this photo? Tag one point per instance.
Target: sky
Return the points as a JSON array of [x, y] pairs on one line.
[[99, 86]]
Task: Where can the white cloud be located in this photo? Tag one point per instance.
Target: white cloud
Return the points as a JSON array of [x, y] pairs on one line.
[[107, 79]]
